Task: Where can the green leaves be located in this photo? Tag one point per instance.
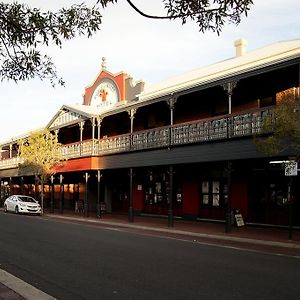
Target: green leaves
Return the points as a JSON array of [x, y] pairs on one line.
[[281, 129], [23, 30], [41, 152], [209, 14]]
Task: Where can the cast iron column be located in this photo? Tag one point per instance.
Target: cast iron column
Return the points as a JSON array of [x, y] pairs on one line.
[[93, 134], [86, 204], [1, 190], [228, 87], [130, 210], [99, 121], [10, 185], [290, 205], [22, 185], [131, 113], [81, 127], [52, 195], [98, 193], [170, 210], [171, 102], [61, 193], [228, 204]]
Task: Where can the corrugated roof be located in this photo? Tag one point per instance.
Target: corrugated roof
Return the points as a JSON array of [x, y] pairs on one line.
[[256, 59]]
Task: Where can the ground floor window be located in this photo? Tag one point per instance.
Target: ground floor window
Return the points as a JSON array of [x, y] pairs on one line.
[[157, 192], [212, 193]]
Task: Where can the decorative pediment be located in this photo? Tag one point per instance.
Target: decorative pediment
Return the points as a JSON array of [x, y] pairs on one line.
[[66, 116], [110, 90]]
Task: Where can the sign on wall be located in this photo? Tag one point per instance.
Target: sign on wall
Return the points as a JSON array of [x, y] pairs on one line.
[[291, 168]]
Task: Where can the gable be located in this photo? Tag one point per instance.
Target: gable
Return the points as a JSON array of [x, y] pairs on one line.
[[65, 117]]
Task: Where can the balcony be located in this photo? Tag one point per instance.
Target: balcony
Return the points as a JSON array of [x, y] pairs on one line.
[[200, 131], [10, 163]]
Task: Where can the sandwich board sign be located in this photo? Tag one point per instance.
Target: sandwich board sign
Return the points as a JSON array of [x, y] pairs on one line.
[[239, 218]]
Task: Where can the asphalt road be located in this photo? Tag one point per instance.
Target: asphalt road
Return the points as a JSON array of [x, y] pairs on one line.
[[77, 261]]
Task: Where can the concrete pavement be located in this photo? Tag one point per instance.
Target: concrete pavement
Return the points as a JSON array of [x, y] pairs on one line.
[[13, 288], [251, 237]]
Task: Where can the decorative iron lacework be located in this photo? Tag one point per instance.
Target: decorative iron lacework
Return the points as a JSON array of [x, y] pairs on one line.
[[65, 117]]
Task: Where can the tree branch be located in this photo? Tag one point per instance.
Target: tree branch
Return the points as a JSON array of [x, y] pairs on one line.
[[168, 17]]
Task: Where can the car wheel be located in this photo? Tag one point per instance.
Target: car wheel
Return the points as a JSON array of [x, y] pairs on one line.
[[16, 209], [5, 208]]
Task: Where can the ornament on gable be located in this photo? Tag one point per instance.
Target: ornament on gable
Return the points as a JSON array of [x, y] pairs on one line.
[[110, 90], [103, 94]]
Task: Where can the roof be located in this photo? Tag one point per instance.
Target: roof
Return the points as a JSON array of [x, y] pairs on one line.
[[254, 60], [266, 56]]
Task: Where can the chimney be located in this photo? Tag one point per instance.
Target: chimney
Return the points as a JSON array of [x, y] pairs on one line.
[[240, 47]]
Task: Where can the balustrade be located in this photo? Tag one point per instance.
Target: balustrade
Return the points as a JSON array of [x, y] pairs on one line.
[[10, 162], [227, 127]]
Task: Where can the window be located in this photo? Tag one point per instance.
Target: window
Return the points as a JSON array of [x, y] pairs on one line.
[[211, 194]]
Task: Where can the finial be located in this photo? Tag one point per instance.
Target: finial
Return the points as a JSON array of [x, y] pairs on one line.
[[103, 65]]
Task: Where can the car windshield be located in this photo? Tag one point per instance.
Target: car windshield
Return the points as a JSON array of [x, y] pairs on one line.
[[26, 199]]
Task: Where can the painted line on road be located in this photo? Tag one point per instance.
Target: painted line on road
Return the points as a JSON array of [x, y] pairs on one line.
[[22, 288]]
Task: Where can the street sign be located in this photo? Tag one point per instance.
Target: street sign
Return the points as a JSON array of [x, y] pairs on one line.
[[291, 168]]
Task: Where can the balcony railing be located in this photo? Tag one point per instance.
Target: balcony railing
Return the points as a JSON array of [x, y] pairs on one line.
[[10, 163], [219, 128]]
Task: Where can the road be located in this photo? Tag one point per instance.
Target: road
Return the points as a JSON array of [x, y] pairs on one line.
[[77, 261]]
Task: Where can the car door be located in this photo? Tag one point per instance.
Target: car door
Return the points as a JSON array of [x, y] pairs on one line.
[[9, 203], [13, 201]]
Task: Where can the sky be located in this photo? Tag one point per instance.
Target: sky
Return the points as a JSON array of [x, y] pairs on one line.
[[148, 50]]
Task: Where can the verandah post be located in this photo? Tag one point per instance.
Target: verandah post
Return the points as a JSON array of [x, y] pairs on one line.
[[170, 210], [130, 210], [228, 214]]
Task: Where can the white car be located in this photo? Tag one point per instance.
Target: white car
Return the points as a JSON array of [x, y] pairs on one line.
[[22, 205]]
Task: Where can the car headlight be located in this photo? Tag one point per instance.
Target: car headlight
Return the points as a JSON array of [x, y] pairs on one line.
[[22, 204]]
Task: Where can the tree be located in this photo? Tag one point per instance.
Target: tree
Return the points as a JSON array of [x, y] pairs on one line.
[[281, 130], [208, 14], [23, 30], [41, 153]]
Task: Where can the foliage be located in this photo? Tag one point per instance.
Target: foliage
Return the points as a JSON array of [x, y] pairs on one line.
[[208, 14], [41, 152], [282, 128], [23, 30]]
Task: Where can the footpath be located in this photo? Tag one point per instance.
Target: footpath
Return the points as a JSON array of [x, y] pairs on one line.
[[257, 238], [249, 238]]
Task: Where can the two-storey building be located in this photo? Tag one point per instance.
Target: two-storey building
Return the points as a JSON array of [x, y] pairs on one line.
[[182, 147]]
